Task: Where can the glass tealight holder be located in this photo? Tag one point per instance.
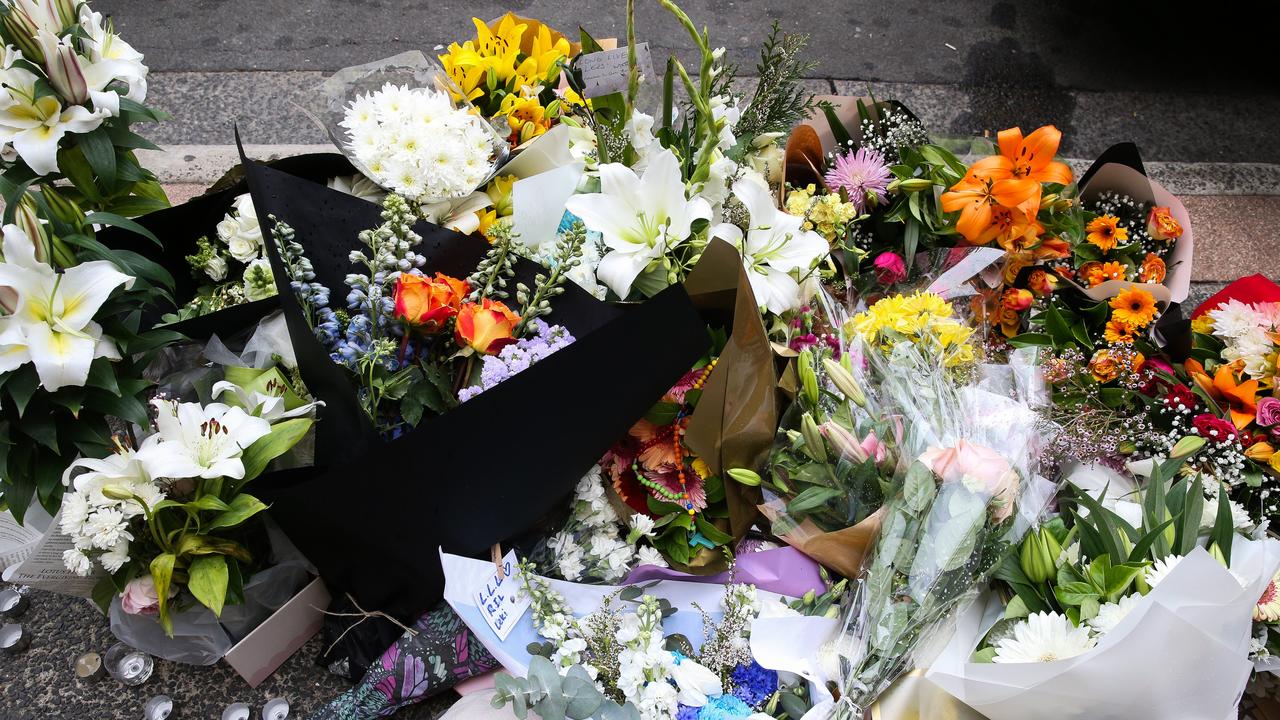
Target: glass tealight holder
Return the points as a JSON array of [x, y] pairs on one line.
[[89, 666], [13, 639], [236, 711], [157, 708], [13, 604], [128, 665], [275, 709]]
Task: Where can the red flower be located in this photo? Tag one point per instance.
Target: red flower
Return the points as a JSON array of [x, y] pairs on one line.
[[1180, 395], [890, 268], [1213, 428]]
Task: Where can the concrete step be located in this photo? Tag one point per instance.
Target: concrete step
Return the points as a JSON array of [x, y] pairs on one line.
[[1174, 127]]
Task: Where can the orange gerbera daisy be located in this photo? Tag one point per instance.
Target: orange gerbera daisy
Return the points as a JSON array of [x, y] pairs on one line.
[[1118, 332], [1105, 232], [1134, 306], [989, 184], [1152, 270], [1110, 270]]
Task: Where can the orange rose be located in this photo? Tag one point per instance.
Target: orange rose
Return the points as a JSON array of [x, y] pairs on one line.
[[1091, 273], [1017, 299], [1152, 270], [426, 304], [1104, 366], [1040, 282], [1161, 225], [486, 326]]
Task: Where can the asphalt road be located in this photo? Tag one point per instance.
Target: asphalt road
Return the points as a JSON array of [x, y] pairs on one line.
[[1186, 85]]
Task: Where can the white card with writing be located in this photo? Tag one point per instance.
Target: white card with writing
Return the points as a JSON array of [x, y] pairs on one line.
[[606, 71], [503, 600]]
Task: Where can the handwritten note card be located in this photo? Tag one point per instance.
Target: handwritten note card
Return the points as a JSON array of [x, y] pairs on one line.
[[606, 71], [503, 600]]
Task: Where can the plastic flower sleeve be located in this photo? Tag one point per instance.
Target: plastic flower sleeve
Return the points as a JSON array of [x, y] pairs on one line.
[[396, 118], [969, 450]]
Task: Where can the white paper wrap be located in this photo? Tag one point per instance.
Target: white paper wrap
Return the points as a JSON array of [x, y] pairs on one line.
[[1182, 653]]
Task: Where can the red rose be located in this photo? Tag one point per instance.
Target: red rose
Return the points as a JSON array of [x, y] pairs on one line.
[[1213, 428], [1180, 395]]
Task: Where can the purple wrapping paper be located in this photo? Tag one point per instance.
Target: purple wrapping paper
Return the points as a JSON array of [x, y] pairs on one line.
[[785, 571]]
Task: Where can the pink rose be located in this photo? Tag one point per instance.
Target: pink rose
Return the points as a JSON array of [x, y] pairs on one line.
[[890, 268], [140, 596], [972, 464], [1268, 411]]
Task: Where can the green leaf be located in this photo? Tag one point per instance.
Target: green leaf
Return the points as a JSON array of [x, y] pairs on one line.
[[207, 581], [712, 533], [162, 576], [663, 413], [1143, 546], [985, 655], [280, 440], [1099, 518], [241, 508], [811, 499], [1074, 593], [22, 385], [106, 218], [1223, 524], [104, 591], [838, 130], [102, 374], [207, 502], [75, 167], [1031, 339], [1192, 510], [101, 154], [919, 487], [1017, 608]]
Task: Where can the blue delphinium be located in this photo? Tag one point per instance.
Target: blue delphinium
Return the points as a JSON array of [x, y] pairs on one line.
[[518, 356], [724, 707], [687, 712]]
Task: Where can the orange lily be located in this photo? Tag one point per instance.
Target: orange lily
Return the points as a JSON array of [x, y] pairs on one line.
[[989, 184], [1032, 156], [1241, 398]]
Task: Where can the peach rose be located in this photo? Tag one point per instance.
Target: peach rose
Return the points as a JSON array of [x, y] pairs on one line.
[[1161, 225], [426, 304], [140, 596], [981, 469], [486, 326]]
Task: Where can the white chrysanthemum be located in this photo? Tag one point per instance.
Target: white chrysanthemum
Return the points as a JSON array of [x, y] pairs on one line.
[[1161, 569], [650, 556], [1240, 519], [77, 562], [1043, 637], [1110, 614], [642, 524], [1233, 319], [115, 558], [105, 527], [415, 143]]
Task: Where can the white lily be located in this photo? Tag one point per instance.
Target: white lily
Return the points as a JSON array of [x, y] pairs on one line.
[[116, 57], [205, 441], [78, 79], [695, 682], [639, 218], [52, 323], [264, 405], [32, 16], [34, 125], [776, 252]]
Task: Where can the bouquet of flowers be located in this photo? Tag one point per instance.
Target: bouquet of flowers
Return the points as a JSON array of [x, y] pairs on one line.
[[965, 487], [73, 345], [235, 263]]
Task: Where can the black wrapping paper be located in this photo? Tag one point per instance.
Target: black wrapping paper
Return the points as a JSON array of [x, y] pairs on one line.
[[373, 513]]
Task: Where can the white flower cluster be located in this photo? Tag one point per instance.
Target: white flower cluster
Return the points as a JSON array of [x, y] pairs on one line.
[[645, 664], [191, 441], [414, 142], [591, 544], [97, 524], [71, 50], [1247, 331], [240, 239]]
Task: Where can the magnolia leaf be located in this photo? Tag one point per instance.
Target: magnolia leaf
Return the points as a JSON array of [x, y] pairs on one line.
[[241, 508], [162, 576], [207, 581], [283, 436]]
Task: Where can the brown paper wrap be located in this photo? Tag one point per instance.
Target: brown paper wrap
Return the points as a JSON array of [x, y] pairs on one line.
[[840, 550], [737, 415], [914, 697]]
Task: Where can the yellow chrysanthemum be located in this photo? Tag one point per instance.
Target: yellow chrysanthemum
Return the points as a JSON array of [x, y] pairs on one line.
[[1202, 324], [923, 319]]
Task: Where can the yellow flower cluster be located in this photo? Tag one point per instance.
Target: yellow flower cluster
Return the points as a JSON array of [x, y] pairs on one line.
[[827, 215], [499, 192], [921, 318], [509, 70]]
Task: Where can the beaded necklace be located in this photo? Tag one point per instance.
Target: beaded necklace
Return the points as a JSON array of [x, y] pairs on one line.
[[677, 432]]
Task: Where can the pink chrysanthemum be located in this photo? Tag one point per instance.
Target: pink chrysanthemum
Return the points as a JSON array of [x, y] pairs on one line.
[[861, 175]]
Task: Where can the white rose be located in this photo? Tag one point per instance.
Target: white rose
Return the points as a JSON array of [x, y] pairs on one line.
[[216, 268]]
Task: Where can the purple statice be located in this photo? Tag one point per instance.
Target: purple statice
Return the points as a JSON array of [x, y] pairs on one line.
[[753, 684], [518, 356], [863, 176]]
